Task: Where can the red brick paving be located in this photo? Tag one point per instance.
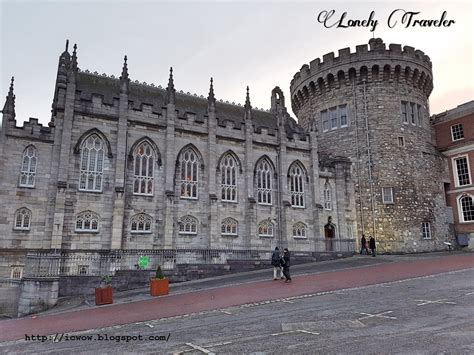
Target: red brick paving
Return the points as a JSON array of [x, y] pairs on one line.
[[173, 305]]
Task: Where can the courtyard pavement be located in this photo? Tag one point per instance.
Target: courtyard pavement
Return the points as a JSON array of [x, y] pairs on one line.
[[192, 298]]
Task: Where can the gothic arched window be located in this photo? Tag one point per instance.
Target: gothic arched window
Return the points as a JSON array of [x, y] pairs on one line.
[[188, 225], [188, 164], [264, 177], [22, 219], [140, 223], [228, 170], [229, 226], [92, 161], [299, 230], [143, 169], [327, 197], [87, 221], [265, 228], [467, 208], [28, 167], [296, 182]]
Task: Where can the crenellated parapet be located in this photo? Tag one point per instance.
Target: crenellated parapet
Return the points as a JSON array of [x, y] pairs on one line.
[[31, 130], [369, 63]]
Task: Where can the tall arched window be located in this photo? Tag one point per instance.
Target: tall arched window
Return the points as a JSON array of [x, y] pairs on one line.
[[229, 227], [143, 169], [265, 228], [87, 221], [92, 160], [28, 167], [327, 197], [22, 219], [228, 178], [140, 223], [299, 230], [188, 225], [264, 182], [296, 182], [467, 208], [188, 164]]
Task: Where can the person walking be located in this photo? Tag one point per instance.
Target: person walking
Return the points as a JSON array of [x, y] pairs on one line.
[[276, 264], [285, 261], [372, 245], [363, 245]]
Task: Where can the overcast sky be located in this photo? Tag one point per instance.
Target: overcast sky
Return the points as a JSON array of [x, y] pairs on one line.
[[260, 44]]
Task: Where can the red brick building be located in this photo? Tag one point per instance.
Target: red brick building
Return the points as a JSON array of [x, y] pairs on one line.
[[455, 139]]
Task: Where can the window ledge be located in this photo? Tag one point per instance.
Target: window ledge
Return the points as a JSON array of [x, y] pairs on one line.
[[228, 201], [187, 233], [297, 237], [86, 231], [91, 191], [266, 236], [187, 198], [229, 235], [140, 232], [21, 229], [298, 207], [26, 186]]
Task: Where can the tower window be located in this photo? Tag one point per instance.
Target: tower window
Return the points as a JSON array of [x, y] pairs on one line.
[[404, 112], [401, 141], [387, 195], [426, 230]]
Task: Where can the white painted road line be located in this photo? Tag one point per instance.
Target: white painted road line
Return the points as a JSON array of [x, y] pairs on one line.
[[424, 302], [225, 312], [295, 331], [200, 348], [379, 315]]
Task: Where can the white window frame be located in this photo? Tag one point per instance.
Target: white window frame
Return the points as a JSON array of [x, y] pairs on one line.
[[22, 213], [16, 272], [300, 230], [28, 167], [387, 201], [189, 174], [455, 170], [270, 227], [143, 160], [296, 183], [341, 109], [93, 217], [96, 171], [327, 196], [333, 115], [264, 181], [460, 208], [325, 120], [413, 113], [142, 219], [426, 230], [186, 224], [229, 227], [229, 177], [452, 132]]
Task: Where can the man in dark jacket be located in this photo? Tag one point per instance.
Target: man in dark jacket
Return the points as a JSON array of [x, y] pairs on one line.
[[372, 245], [276, 264], [285, 262]]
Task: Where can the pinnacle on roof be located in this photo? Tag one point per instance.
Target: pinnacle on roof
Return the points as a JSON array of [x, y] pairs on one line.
[[247, 100], [74, 58], [9, 107], [170, 91], [211, 98], [124, 75]]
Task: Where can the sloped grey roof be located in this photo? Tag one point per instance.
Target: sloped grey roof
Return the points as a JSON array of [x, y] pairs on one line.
[[109, 88]]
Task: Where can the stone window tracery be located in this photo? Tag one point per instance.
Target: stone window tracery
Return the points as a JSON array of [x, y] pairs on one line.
[[229, 226], [228, 170], [87, 221], [143, 169], [264, 182], [300, 230], [265, 229], [92, 160], [28, 167], [22, 219], [140, 223], [188, 164], [296, 182], [188, 225], [327, 197]]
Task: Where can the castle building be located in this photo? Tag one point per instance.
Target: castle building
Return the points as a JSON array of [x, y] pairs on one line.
[[372, 107], [455, 139], [128, 165]]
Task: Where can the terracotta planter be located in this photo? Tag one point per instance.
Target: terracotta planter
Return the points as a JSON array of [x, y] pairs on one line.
[[159, 287], [103, 295]]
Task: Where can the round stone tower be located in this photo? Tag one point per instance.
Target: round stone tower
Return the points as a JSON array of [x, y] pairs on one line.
[[372, 106]]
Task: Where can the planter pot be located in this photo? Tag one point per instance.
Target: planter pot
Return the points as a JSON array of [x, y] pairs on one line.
[[103, 295], [159, 287]]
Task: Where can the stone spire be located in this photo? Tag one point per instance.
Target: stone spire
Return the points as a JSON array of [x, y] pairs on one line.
[[9, 107], [170, 91], [211, 99], [124, 79], [248, 106], [74, 58]]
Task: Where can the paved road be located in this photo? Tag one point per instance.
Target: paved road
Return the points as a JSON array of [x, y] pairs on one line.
[[425, 314]]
